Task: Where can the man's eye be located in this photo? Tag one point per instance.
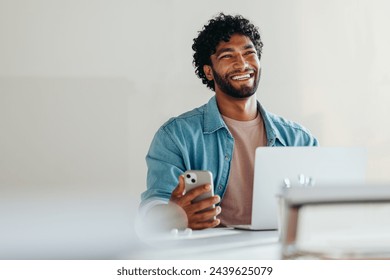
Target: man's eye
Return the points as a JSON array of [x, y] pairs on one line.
[[250, 52], [225, 56]]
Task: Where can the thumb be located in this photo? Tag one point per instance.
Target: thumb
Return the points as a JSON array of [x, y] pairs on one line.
[[179, 191]]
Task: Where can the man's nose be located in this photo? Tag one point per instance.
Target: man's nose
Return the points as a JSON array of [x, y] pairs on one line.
[[240, 62]]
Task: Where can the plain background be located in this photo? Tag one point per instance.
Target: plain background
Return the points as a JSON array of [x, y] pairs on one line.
[[84, 85]]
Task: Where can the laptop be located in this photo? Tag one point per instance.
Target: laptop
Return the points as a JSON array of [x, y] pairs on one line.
[[278, 167]]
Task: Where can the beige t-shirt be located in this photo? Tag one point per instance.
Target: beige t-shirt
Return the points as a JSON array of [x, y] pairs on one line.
[[237, 201]]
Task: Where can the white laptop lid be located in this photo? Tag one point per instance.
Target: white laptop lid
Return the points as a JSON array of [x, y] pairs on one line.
[[324, 165]]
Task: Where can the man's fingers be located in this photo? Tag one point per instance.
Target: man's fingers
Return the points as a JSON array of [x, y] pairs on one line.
[[179, 191], [190, 195], [203, 204], [203, 225], [195, 192], [207, 215], [201, 214]]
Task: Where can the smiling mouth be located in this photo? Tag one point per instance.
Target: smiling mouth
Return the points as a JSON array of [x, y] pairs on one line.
[[243, 77]]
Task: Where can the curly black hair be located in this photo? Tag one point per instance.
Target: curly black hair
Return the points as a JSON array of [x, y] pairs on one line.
[[218, 29]]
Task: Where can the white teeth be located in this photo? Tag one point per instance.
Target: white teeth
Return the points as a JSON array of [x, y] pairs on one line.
[[242, 77]]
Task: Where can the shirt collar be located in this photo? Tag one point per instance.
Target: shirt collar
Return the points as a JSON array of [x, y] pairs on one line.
[[213, 121], [212, 117], [270, 128]]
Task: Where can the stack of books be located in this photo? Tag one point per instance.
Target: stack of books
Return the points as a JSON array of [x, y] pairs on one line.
[[337, 222]]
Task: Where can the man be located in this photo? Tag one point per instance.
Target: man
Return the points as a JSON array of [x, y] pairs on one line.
[[222, 135]]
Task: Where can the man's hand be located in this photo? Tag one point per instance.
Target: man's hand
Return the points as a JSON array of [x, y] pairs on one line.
[[198, 217]]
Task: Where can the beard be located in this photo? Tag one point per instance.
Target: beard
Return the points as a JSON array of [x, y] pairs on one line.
[[243, 92]]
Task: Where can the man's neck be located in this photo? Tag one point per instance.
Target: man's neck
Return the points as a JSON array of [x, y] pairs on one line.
[[238, 109]]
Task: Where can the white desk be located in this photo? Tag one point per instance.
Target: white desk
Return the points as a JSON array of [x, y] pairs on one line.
[[218, 243]]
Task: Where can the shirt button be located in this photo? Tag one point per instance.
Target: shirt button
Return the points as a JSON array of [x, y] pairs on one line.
[[220, 187], [226, 157]]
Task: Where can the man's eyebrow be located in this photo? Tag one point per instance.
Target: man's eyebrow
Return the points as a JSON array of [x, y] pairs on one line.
[[223, 50], [249, 46], [246, 47]]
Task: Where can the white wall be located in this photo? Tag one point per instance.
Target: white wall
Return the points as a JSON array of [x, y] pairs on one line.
[[84, 85]]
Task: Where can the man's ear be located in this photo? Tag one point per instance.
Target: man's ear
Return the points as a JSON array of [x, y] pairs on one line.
[[208, 72]]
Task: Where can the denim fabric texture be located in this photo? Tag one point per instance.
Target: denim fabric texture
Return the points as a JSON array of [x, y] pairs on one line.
[[200, 140]]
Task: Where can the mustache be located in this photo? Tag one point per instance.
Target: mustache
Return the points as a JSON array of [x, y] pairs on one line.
[[240, 71]]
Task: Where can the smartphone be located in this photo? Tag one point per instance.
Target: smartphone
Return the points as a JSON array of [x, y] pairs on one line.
[[196, 178]]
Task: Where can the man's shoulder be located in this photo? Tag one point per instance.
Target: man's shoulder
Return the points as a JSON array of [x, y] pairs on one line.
[[283, 123], [192, 117], [290, 133]]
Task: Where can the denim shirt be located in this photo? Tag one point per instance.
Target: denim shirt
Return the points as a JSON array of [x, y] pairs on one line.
[[200, 140]]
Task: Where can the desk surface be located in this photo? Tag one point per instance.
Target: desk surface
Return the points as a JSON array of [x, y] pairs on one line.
[[217, 243]]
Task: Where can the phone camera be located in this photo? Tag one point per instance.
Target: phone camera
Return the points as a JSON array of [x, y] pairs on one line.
[[190, 178]]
